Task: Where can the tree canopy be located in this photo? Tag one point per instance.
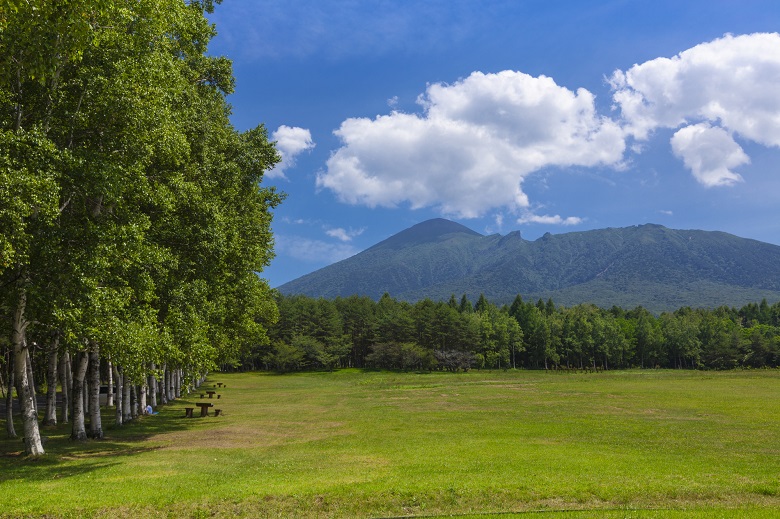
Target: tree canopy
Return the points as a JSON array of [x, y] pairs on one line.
[[394, 334], [132, 219]]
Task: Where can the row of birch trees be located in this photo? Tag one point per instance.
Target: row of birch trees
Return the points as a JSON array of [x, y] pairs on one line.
[[132, 220]]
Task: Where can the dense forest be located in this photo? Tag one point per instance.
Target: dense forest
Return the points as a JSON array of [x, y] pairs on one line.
[[132, 220], [461, 335]]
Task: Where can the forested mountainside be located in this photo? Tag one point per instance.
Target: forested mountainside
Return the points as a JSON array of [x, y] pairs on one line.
[[649, 265]]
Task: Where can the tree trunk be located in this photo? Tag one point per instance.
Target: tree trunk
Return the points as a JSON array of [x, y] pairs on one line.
[[171, 382], [142, 399], [85, 392], [51, 382], [110, 394], [95, 422], [32, 434], [9, 400], [119, 395], [164, 382], [66, 380], [153, 388], [126, 417], [133, 401], [31, 379], [169, 385], [178, 383], [78, 431]]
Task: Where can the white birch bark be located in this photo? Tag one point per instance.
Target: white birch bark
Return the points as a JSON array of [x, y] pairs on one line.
[[126, 416], [153, 388], [78, 430], [133, 401], [31, 382], [110, 395], [32, 434], [9, 400], [163, 379], [142, 399], [95, 422], [85, 393], [51, 382], [66, 381], [119, 395], [171, 392]]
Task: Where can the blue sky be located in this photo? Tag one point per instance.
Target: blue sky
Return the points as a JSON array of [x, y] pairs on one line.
[[537, 116]]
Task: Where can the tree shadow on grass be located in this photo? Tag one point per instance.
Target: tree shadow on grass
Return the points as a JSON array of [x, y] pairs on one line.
[[65, 457]]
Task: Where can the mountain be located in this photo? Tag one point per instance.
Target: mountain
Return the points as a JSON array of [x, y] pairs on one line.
[[648, 265]]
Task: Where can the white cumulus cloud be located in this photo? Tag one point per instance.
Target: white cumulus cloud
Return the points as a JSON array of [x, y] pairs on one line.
[[710, 153], [290, 142], [472, 146], [549, 220], [343, 234], [713, 91]]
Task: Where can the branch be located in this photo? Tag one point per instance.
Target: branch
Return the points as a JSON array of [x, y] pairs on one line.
[[67, 202]]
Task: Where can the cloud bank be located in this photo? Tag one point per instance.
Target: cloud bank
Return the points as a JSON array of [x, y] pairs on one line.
[[472, 146], [712, 92], [475, 141], [290, 142]]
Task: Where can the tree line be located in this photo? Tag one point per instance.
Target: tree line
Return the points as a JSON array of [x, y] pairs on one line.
[[132, 223], [461, 335]]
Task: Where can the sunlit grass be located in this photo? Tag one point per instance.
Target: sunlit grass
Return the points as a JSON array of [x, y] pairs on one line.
[[355, 444]]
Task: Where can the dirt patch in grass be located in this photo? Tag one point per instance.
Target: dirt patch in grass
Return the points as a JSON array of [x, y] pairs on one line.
[[235, 436]]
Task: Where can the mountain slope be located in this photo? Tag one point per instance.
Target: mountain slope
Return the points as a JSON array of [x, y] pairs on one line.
[[647, 265]]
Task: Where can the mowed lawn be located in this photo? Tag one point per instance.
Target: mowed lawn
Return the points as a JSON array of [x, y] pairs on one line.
[[377, 444]]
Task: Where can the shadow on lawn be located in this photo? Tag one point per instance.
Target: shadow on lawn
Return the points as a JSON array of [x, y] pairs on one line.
[[65, 457]]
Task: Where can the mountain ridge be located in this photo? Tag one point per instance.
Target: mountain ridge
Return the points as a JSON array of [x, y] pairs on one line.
[[649, 265]]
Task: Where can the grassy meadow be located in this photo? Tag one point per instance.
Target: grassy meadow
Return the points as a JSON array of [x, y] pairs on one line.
[[378, 444]]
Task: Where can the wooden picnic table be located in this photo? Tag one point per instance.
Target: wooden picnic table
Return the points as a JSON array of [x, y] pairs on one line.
[[210, 393], [204, 407]]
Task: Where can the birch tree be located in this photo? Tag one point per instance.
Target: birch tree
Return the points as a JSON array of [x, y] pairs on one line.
[[124, 185]]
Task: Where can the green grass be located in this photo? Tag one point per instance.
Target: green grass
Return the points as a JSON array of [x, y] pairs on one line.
[[354, 444]]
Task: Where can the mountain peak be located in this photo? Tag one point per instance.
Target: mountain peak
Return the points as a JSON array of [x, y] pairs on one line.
[[427, 231], [650, 265]]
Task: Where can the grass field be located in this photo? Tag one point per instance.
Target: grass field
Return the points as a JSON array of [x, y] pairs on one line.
[[355, 444]]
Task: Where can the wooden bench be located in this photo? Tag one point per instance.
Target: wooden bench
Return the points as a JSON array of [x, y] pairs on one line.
[[204, 407], [188, 412], [217, 412]]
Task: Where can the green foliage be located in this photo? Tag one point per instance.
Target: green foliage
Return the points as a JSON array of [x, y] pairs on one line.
[[131, 211], [358, 332], [405, 356]]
